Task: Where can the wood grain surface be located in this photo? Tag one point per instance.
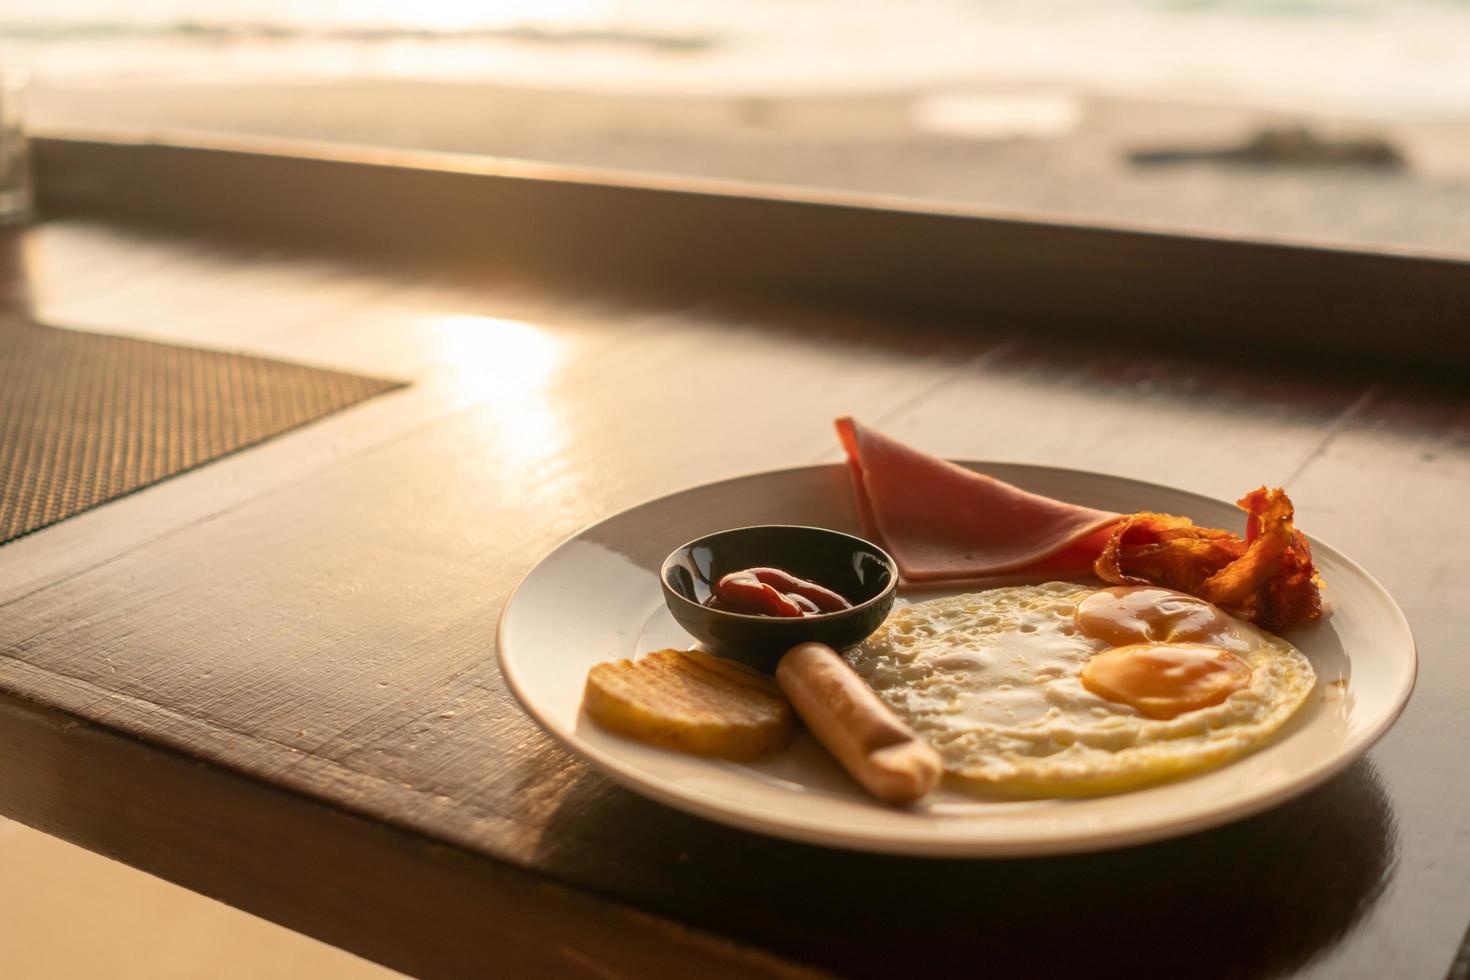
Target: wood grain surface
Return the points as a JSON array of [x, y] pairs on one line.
[[274, 680]]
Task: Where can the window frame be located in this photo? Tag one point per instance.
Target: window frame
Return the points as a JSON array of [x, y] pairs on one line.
[[695, 236]]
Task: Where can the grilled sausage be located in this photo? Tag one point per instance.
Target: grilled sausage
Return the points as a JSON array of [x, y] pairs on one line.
[[876, 749]]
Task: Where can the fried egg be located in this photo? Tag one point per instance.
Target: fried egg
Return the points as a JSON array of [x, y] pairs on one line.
[[1060, 689]]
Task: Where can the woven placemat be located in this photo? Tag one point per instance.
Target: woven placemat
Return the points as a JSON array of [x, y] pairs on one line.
[[86, 417]]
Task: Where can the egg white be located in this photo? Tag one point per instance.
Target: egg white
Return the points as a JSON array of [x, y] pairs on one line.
[[991, 680]]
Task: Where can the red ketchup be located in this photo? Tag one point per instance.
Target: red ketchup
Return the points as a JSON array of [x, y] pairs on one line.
[[772, 592]]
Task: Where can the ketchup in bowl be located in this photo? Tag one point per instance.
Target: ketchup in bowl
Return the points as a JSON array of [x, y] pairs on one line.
[[772, 592]]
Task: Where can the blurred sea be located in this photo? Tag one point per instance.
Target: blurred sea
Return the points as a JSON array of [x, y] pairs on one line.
[[1362, 58]]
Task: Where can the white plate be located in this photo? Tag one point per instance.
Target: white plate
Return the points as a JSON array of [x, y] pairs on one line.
[[597, 598]]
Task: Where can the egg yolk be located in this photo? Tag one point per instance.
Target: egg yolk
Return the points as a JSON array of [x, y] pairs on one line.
[[1163, 680], [1138, 614]]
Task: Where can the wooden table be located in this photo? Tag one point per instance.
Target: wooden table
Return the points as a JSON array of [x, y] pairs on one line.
[[273, 679]]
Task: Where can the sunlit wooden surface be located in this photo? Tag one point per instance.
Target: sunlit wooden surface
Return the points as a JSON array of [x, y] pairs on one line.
[[290, 652]]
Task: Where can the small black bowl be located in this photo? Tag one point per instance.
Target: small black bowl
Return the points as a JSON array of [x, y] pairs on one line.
[[858, 570]]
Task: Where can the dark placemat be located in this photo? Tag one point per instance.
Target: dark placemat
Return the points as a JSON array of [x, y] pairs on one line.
[[88, 417]]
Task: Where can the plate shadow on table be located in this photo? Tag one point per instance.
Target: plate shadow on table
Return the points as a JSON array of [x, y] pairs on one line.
[[1258, 898]]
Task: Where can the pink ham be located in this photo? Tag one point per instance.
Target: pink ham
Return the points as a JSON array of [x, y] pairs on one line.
[[942, 522]]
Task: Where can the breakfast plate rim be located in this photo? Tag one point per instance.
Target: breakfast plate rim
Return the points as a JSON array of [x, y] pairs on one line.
[[762, 821]]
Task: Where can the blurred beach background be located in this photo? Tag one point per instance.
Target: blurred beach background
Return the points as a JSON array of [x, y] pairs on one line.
[[1344, 121]]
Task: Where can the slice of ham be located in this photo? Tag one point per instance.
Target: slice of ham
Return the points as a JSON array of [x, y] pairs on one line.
[[942, 522]]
